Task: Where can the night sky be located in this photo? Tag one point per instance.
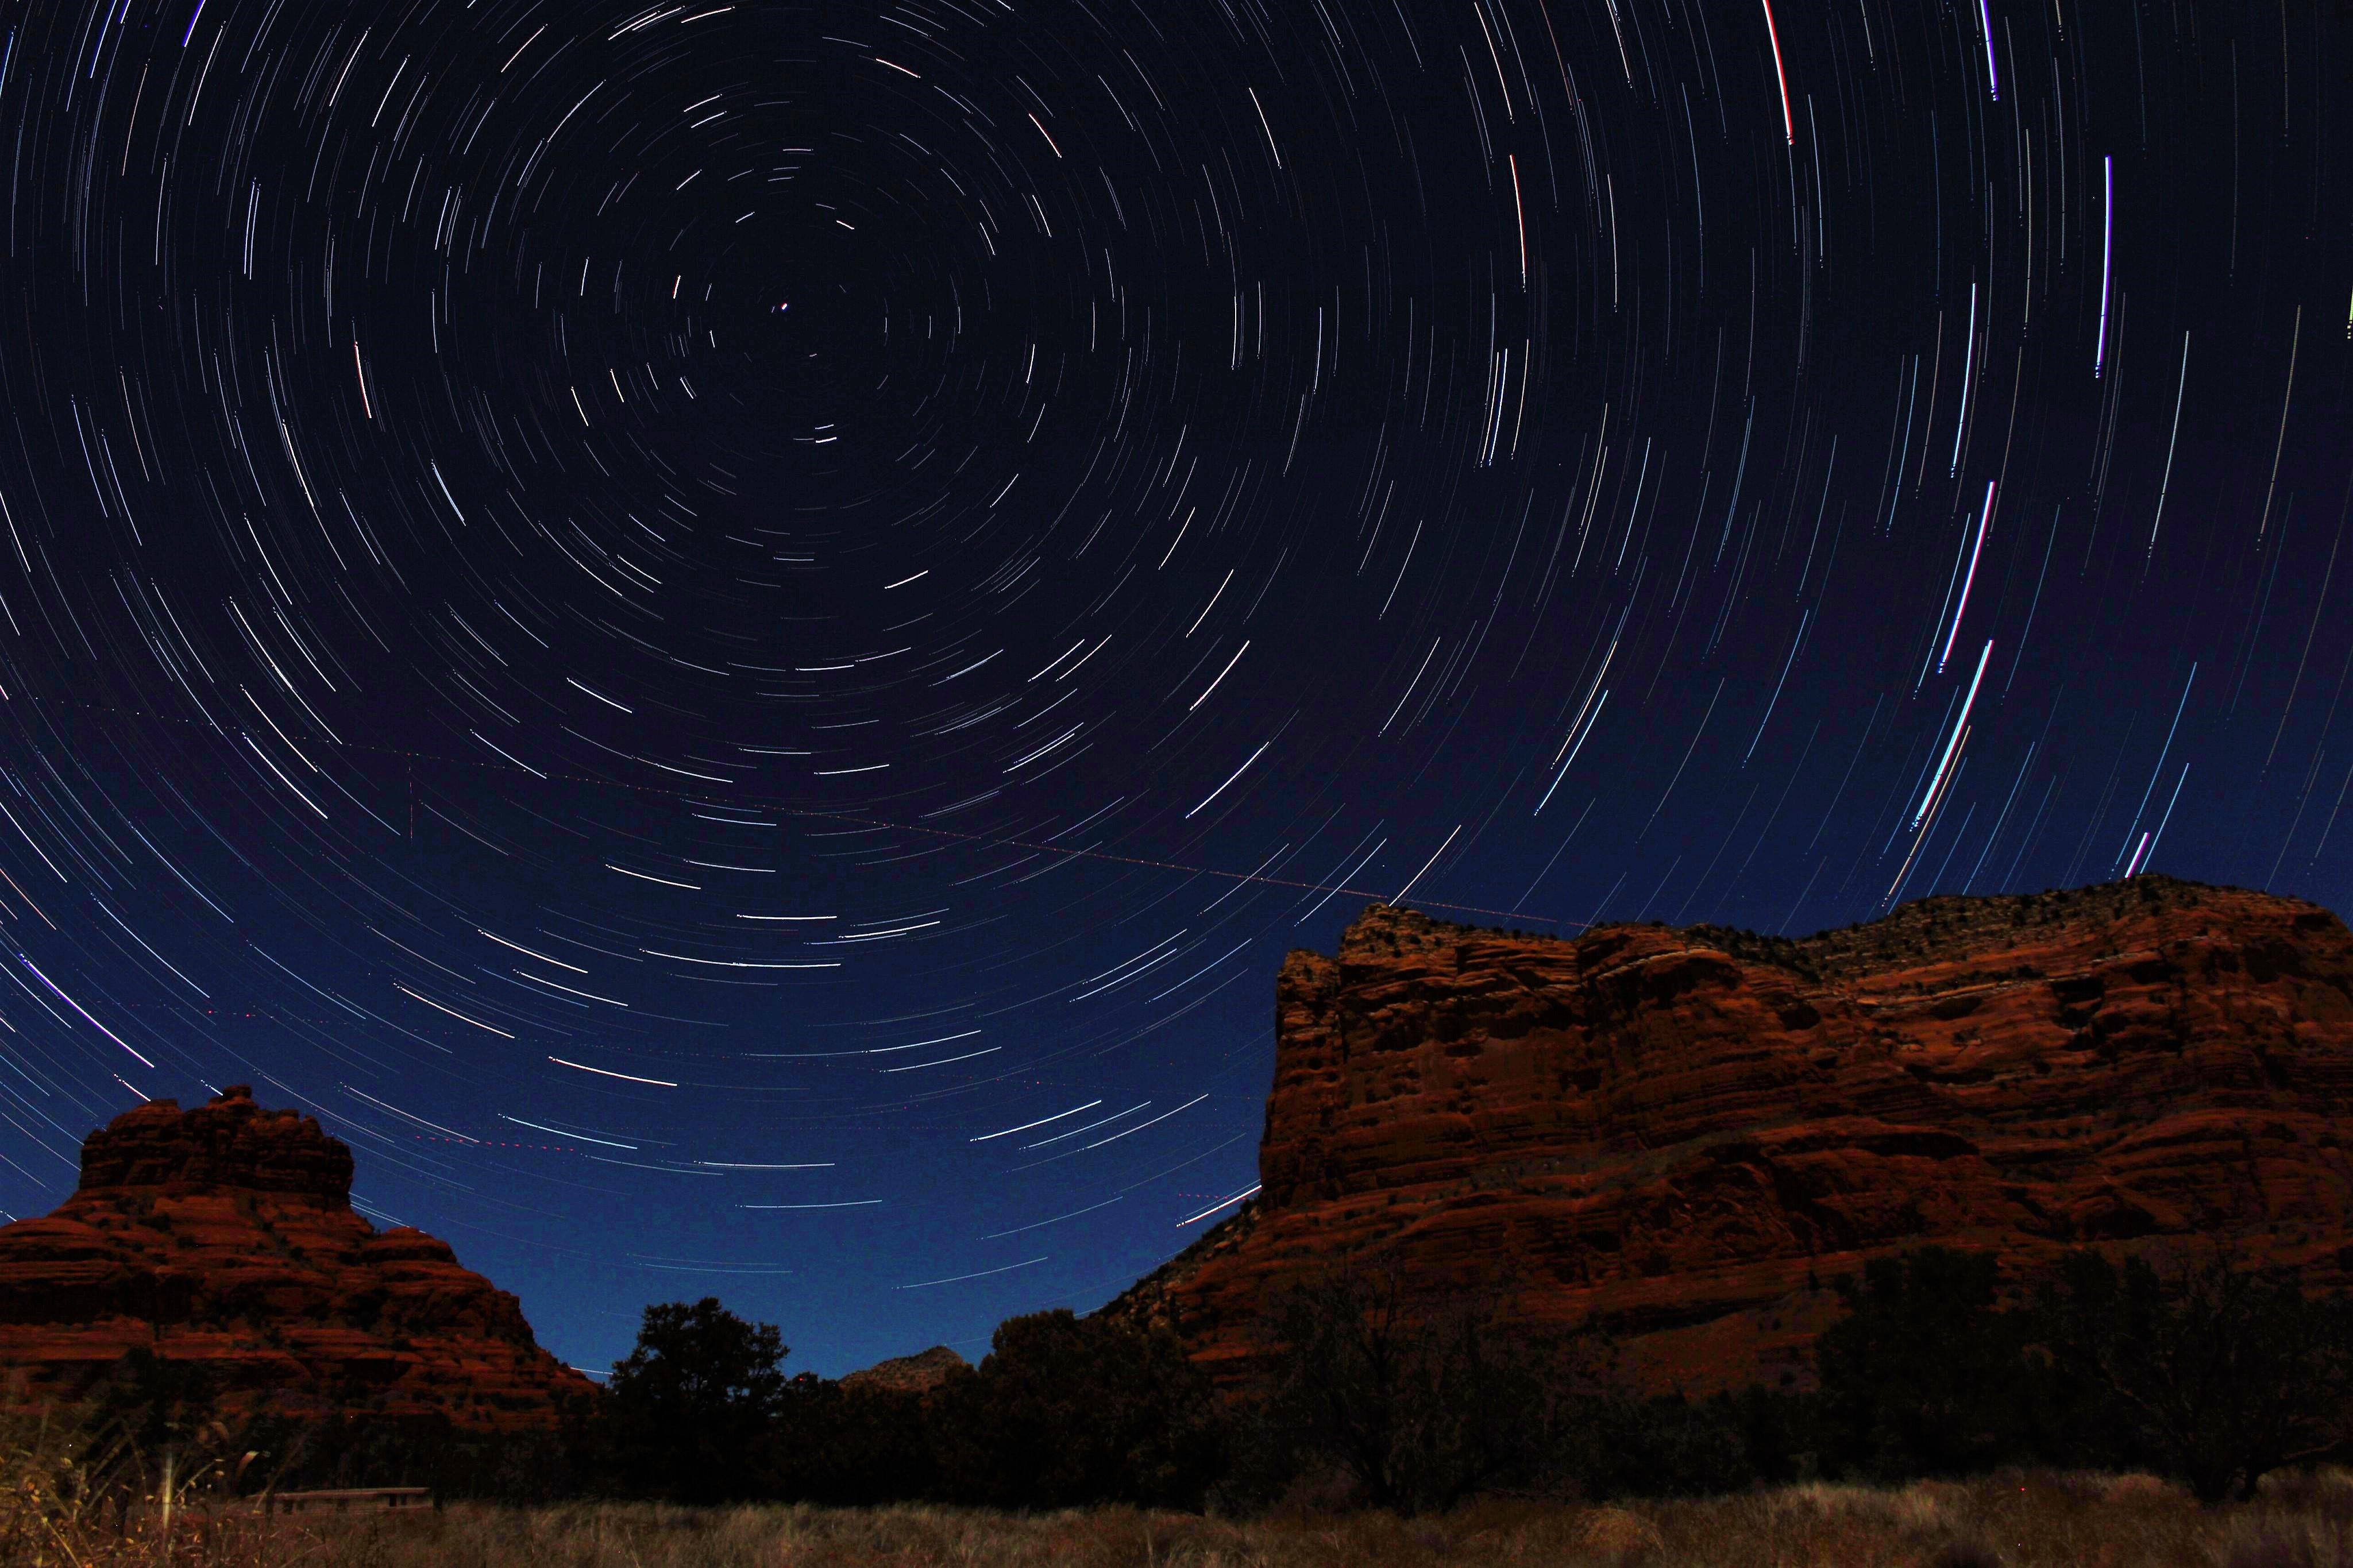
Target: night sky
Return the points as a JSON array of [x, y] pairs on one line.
[[733, 639]]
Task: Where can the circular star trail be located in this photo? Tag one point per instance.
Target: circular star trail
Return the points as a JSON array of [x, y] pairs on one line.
[[734, 637]]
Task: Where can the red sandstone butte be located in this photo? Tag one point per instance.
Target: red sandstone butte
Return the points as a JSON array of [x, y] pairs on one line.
[[225, 1236], [1684, 1136]]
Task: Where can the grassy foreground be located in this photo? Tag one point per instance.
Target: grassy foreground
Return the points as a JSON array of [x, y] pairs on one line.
[[2033, 1519]]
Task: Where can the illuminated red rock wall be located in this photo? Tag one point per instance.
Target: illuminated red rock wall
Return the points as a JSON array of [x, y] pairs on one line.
[[225, 1236], [1684, 1135]]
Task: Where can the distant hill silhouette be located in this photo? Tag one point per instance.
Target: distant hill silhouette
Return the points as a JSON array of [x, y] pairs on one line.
[[918, 1373]]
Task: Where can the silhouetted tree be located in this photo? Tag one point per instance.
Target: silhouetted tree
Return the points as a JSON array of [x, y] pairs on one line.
[[1421, 1403], [1925, 1375], [851, 1447], [690, 1410], [1780, 1431], [1066, 1411], [2224, 1376]]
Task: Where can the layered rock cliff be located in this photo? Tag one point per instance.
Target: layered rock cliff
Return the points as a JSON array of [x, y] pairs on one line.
[[225, 1236], [1684, 1136]]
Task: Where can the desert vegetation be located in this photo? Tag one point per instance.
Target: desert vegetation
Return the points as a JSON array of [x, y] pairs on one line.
[[2019, 1519], [2110, 1415]]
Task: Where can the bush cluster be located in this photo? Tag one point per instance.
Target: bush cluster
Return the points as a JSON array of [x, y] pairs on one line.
[[1064, 1411], [2215, 1377]]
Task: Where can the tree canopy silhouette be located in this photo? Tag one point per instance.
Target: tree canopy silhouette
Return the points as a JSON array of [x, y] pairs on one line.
[[692, 1409], [1066, 1411]]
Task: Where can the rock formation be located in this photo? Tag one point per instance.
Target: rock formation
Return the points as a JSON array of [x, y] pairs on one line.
[[918, 1373], [1685, 1136], [225, 1236]]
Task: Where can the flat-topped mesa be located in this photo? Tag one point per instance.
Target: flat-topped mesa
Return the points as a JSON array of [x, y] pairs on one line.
[[227, 1143], [224, 1237], [1684, 1135]]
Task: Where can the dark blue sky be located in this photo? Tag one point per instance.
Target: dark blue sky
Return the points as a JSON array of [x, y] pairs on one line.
[[734, 637]]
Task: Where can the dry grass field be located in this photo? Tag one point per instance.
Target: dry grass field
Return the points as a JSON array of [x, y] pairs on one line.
[[2128, 1521]]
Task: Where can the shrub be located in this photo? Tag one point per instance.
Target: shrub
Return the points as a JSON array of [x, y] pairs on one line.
[[70, 1495], [1619, 1446]]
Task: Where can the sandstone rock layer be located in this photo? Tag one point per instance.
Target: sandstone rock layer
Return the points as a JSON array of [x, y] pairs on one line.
[[1684, 1136], [225, 1236]]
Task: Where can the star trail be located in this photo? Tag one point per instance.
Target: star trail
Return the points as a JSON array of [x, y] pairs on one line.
[[733, 639]]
